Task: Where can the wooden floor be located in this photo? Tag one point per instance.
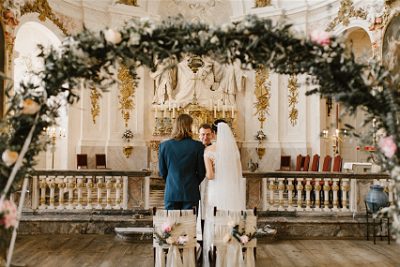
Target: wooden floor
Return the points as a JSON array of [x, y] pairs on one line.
[[106, 251]]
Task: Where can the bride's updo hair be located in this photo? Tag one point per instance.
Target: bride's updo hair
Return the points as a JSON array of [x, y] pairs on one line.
[[215, 124]]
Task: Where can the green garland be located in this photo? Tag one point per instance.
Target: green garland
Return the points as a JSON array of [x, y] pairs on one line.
[[92, 56]]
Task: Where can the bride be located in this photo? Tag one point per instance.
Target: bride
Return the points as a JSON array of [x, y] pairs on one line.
[[226, 187]]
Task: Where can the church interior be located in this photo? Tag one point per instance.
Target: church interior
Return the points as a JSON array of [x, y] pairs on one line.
[[90, 197]]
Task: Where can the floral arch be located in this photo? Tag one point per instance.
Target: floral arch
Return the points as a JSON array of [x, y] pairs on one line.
[[92, 56]]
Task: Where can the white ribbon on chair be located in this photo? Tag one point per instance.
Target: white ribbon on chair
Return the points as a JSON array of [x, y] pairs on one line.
[[184, 222]]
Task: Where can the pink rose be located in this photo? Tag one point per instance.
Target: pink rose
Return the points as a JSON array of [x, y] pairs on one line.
[[166, 227], [244, 239], [388, 146], [320, 37], [9, 211]]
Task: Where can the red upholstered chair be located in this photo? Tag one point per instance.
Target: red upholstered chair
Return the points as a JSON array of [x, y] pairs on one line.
[[326, 166], [101, 161], [337, 163], [306, 163], [315, 163], [81, 161], [285, 163], [299, 161]]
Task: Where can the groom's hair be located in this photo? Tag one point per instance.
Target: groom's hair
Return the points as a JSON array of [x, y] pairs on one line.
[[205, 126], [182, 127], [215, 124]]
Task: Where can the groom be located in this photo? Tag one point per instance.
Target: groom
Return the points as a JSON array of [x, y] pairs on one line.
[[181, 164]]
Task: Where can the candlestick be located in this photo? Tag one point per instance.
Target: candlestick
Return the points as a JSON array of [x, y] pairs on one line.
[[215, 111]]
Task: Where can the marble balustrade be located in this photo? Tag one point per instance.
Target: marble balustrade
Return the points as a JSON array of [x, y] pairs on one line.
[[313, 191], [89, 189], [268, 191]]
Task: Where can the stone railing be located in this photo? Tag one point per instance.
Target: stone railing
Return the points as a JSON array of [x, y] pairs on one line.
[[312, 191], [88, 189]]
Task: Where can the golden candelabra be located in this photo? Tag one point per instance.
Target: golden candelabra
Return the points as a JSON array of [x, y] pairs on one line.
[[53, 133]]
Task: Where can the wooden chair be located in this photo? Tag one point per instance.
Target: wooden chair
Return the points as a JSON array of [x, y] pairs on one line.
[[306, 163], [224, 222], [81, 161], [285, 163], [183, 228], [326, 166], [315, 163], [337, 163], [299, 161], [101, 161]]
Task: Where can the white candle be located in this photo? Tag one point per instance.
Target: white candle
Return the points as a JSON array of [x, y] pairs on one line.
[[218, 105], [173, 111], [233, 112], [223, 111], [165, 111], [169, 105], [215, 111], [155, 112]]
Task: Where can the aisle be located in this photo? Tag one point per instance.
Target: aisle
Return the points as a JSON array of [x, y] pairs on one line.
[[106, 251]]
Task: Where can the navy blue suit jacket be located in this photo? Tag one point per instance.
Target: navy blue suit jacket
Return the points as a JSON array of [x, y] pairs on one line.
[[181, 164]]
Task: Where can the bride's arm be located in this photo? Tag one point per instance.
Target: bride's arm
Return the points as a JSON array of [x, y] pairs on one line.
[[209, 168]]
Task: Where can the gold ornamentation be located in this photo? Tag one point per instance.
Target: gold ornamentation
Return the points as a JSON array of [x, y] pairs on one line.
[[346, 11], [262, 3], [126, 93], [127, 2], [293, 99], [154, 145], [43, 8], [263, 95], [127, 150], [94, 101]]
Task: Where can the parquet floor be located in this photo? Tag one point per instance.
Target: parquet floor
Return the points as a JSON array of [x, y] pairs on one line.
[[107, 251]]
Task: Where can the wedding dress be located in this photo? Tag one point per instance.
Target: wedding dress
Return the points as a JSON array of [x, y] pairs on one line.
[[227, 191]]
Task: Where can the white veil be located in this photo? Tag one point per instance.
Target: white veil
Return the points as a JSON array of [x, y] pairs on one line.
[[228, 189]]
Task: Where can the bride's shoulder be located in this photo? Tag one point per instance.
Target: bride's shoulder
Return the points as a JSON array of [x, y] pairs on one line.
[[211, 148]]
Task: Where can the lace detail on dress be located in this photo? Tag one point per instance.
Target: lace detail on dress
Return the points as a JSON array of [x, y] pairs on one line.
[[212, 155]]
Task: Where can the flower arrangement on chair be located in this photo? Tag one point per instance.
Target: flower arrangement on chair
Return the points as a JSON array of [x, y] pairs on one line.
[[165, 237]]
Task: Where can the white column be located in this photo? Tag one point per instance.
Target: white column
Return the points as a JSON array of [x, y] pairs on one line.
[[326, 194], [281, 188], [35, 193], [299, 195], [52, 185], [290, 189], [146, 191], [335, 189], [272, 187], [71, 187], [79, 186], [125, 193], [42, 186], [61, 183], [317, 192], [308, 192], [264, 194], [118, 187], [109, 186], [100, 185], [345, 188], [89, 188]]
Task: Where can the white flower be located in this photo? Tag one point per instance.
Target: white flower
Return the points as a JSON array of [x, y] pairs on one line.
[[225, 27], [30, 107], [182, 239], [214, 40], [134, 39], [9, 157], [113, 36]]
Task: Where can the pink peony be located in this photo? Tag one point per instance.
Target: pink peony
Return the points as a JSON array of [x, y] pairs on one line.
[[388, 146], [320, 37], [166, 227], [244, 239], [30, 107], [9, 211]]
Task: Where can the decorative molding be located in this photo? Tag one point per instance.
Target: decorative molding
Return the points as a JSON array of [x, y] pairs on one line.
[[262, 3], [127, 2], [126, 93], [263, 95], [293, 99], [346, 11], [95, 107], [43, 8]]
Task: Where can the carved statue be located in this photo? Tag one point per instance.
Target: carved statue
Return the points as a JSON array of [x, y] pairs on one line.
[[197, 80]]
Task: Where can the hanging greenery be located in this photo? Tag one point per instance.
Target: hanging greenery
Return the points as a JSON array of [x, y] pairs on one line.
[[92, 57]]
